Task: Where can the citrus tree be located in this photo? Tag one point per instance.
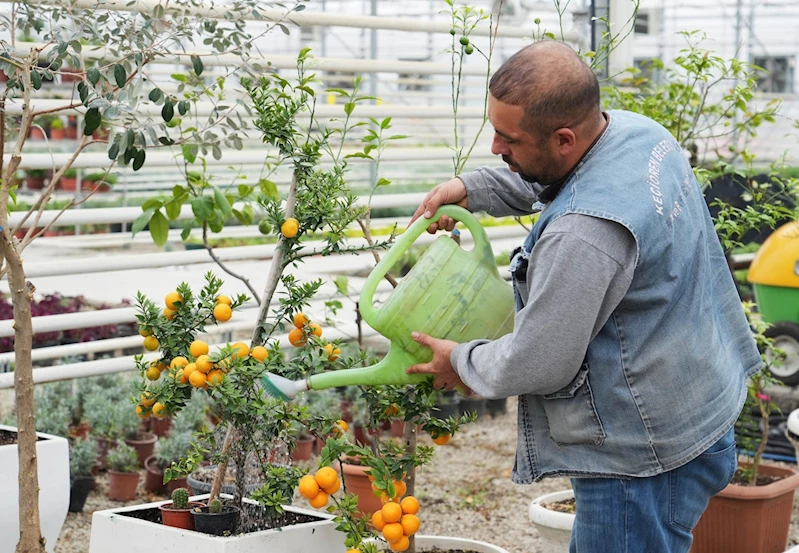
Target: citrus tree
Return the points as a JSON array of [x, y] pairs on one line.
[[106, 52]]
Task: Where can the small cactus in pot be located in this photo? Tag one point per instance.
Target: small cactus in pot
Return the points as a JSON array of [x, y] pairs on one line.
[[178, 513], [215, 506], [216, 519]]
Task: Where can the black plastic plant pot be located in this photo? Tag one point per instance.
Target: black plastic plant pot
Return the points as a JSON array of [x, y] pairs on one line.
[[446, 410], [497, 406], [216, 524], [472, 405], [78, 492]]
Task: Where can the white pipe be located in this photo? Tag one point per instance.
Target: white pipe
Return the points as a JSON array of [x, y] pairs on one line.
[[37, 269], [322, 111], [106, 215], [125, 364], [67, 321], [301, 19], [166, 158], [283, 61]]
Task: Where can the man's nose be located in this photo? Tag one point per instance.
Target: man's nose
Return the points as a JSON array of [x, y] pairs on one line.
[[498, 146]]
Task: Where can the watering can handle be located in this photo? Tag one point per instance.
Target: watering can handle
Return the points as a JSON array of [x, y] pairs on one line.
[[481, 248]]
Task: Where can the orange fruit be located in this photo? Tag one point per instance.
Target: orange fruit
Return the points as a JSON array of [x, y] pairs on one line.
[[171, 299], [441, 440], [377, 521], [330, 490], [290, 227], [142, 412], [240, 350], [144, 333], [392, 410], [297, 337], [401, 544], [147, 399], [169, 313], [181, 376], [159, 410], [410, 524], [204, 364], [151, 343], [315, 329], [326, 477], [410, 505], [222, 312], [215, 377], [197, 379], [341, 427], [353, 551], [332, 352], [401, 488], [198, 348], [224, 299], [153, 373], [188, 369], [260, 353], [392, 531], [319, 501], [301, 319], [308, 487], [179, 362], [391, 512]]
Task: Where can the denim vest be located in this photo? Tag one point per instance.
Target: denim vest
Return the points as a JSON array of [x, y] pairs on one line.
[[666, 375]]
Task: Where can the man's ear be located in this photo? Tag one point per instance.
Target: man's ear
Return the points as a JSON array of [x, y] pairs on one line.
[[565, 140]]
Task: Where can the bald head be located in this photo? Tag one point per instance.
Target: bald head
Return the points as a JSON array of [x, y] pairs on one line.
[[555, 87]]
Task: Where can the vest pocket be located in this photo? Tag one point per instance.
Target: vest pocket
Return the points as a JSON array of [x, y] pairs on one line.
[[571, 413]]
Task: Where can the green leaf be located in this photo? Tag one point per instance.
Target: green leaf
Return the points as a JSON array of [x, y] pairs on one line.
[[342, 284], [36, 80], [189, 152], [142, 220], [222, 202], [113, 151], [168, 111], [159, 228], [197, 63], [76, 45], [240, 217], [173, 208], [244, 190], [93, 74], [349, 107], [152, 204], [248, 213], [183, 107], [202, 207], [184, 234], [155, 94], [383, 182], [269, 189], [138, 159], [386, 123], [91, 121], [120, 75]]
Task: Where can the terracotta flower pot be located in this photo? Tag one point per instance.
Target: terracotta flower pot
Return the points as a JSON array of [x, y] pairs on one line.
[[397, 429], [153, 476], [160, 427], [144, 444], [178, 518], [57, 134], [357, 481], [303, 449], [79, 431], [122, 485], [749, 519], [69, 184], [34, 183], [36, 134]]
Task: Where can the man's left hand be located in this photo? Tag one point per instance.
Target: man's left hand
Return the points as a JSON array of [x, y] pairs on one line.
[[440, 366]]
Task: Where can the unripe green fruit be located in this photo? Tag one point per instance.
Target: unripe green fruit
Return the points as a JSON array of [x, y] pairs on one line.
[[465, 40], [264, 227], [468, 50], [452, 31], [537, 21]]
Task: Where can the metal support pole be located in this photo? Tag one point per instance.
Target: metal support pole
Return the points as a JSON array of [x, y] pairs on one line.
[[373, 81]]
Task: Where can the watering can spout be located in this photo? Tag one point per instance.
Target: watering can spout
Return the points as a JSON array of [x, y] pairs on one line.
[[389, 371]]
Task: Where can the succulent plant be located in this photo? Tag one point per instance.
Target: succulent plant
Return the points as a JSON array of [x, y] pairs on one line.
[[82, 457], [180, 498], [123, 458], [215, 506]]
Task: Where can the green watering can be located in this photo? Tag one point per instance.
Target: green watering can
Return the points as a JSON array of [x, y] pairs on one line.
[[450, 293]]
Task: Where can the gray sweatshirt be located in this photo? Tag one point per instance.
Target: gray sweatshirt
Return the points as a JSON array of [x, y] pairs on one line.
[[578, 272]]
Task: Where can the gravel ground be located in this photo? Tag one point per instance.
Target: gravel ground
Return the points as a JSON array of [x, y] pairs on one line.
[[465, 492]]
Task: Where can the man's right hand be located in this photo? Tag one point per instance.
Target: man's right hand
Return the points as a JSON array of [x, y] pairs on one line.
[[451, 192]]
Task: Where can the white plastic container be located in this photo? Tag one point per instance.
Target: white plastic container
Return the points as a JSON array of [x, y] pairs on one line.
[[555, 528], [52, 456], [428, 543], [113, 532]]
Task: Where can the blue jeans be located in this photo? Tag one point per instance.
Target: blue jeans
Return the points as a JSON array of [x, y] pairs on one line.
[[650, 515]]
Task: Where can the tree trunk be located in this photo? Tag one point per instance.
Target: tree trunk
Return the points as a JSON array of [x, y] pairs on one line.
[[30, 534], [410, 479]]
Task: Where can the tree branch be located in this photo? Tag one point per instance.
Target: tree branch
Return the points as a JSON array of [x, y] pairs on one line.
[[225, 268]]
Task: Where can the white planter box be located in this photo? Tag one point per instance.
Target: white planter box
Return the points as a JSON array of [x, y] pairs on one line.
[[52, 455], [555, 528], [123, 534], [428, 543]]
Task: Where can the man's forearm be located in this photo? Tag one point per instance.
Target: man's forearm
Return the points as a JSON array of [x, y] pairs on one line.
[[498, 191]]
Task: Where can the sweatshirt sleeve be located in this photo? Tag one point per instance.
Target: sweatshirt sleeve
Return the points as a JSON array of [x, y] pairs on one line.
[[579, 270], [499, 192]]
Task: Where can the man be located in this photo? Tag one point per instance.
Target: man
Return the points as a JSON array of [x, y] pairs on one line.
[[630, 349]]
